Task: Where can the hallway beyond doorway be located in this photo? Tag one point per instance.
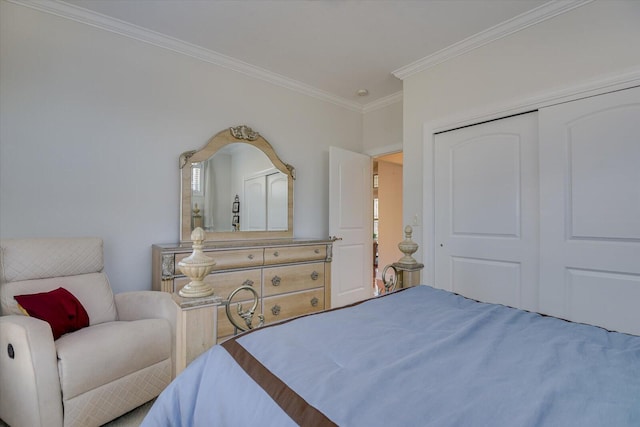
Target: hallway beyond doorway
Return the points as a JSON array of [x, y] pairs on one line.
[[387, 213]]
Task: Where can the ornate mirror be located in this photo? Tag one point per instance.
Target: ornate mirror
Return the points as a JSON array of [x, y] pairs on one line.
[[235, 188]]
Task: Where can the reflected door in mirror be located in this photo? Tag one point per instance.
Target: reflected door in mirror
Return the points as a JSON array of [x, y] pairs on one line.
[[239, 170], [277, 202], [266, 206]]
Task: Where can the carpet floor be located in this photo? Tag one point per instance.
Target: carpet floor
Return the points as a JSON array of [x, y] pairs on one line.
[[130, 419]]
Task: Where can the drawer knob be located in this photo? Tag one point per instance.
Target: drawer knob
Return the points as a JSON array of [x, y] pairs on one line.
[[314, 302], [316, 250], [314, 275], [275, 281], [247, 282], [250, 256], [276, 253], [275, 310]]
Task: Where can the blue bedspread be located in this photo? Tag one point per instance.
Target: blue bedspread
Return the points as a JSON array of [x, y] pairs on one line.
[[420, 357]]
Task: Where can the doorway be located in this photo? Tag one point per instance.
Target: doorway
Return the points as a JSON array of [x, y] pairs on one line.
[[387, 214], [351, 221]]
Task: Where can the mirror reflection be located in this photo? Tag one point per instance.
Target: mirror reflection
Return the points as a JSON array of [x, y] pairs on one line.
[[238, 189]]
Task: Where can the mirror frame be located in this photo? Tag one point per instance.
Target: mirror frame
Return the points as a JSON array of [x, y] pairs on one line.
[[238, 134]]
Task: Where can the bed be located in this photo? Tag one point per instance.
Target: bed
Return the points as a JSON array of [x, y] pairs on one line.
[[417, 356]]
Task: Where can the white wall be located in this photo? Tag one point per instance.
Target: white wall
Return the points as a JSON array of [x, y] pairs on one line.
[[592, 42], [382, 128], [92, 124]]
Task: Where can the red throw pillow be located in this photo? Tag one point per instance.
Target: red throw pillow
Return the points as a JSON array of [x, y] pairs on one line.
[[60, 308]]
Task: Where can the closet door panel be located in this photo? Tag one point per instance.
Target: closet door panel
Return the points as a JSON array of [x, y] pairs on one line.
[[485, 195], [586, 289], [487, 280], [590, 209], [603, 176], [487, 211]]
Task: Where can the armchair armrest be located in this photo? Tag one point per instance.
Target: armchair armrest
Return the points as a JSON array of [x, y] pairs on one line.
[[149, 305], [29, 382], [146, 305]]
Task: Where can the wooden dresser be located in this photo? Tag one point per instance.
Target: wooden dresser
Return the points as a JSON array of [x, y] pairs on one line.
[[292, 276]]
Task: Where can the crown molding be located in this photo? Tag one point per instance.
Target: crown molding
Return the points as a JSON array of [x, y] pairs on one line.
[[97, 20], [382, 102], [518, 23]]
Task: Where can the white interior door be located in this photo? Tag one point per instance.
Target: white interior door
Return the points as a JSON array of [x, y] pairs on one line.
[[486, 198], [351, 219], [590, 210]]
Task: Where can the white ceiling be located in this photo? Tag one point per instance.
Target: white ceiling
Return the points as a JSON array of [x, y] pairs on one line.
[[332, 47]]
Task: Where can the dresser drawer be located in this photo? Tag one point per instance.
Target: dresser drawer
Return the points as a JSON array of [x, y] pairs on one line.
[[230, 259], [224, 283], [288, 278], [289, 254], [291, 305]]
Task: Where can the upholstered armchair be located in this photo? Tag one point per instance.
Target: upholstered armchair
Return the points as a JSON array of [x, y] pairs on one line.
[[87, 377]]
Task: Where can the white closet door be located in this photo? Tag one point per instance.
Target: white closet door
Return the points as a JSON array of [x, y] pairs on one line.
[[486, 198], [590, 210]]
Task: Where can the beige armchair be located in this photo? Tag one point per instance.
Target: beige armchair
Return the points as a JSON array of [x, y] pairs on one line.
[[95, 374]]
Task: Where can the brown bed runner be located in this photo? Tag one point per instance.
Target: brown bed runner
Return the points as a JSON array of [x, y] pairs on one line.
[[291, 402]]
